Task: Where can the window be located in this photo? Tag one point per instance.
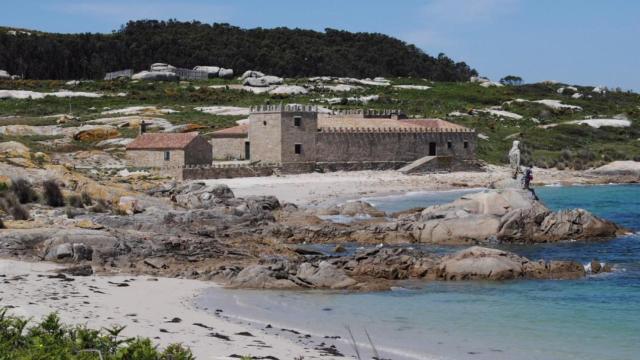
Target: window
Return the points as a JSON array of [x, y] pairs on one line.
[[297, 148], [449, 145], [297, 120], [167, 155], [264, 123], [466, 144]]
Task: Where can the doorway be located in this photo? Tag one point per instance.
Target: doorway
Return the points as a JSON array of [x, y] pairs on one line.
[[247, 150], [432, 149]]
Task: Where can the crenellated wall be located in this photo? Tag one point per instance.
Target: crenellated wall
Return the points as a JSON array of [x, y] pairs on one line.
[[402, 145]]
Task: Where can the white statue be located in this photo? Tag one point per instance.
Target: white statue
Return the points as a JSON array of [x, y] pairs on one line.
[[514, 158]]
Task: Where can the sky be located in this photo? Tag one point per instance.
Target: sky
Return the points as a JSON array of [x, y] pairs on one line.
[[584, 42]]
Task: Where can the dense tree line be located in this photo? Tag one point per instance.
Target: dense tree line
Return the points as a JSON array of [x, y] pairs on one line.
[[279, 51]]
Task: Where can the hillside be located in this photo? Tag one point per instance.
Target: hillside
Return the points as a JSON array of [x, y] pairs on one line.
[[559, 125], [279, 51]]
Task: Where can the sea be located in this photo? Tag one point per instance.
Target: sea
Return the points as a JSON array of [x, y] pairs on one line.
[[594, 318]]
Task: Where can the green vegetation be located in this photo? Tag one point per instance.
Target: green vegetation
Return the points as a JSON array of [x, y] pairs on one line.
[[583, 146], [279, 51], [50, 339]]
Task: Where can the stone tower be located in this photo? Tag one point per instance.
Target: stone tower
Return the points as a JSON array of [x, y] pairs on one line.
[[283, 134]]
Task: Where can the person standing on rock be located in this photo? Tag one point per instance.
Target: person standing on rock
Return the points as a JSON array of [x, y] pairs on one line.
[[526, 178], [514, 159]]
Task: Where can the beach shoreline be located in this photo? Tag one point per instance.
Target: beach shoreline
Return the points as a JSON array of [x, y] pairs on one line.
[[161, 309], [328, 189]]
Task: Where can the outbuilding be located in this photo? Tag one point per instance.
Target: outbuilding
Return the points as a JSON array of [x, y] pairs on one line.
[[157, 150]]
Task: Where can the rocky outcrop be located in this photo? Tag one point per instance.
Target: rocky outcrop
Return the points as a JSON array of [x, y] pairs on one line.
[[155, 76], [477, 263], [506, 215], [198, 195], [263, 81], [95, 133]]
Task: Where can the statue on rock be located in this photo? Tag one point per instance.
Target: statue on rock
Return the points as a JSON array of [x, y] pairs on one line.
[[514, 158]]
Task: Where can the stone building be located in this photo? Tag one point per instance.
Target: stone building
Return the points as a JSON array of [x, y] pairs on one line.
[[157, 150], [296, 134]]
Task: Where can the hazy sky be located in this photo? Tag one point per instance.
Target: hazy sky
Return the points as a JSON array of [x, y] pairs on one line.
[[588, 42]]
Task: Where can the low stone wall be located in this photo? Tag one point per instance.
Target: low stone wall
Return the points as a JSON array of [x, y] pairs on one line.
[[228, 171]]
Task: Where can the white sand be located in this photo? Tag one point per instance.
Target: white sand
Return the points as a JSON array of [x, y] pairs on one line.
[[144, 307]]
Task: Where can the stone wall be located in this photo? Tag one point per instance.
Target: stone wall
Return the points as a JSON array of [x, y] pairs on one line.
[[155, 158], [198, 152], [265, 134], [229, 148], [220, 172], [303, 135], [392, 145]]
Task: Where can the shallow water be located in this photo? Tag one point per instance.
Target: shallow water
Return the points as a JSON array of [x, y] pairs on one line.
[[593, 318]]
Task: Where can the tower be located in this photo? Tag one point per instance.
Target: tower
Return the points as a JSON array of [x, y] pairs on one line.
[[283, 133]]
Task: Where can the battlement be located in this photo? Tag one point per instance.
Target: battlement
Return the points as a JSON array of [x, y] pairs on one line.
[[283, 108], [394, 130], [371, 113]]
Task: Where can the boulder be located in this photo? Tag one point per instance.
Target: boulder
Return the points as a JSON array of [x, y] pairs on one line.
[[225, 73], [162, 67], [212, 71], [262, 277], [576, 224], [4, 75], [129, 205], [353, 208], [251, 74], [288, 90], [155, 76], [13, 149], [478, 263], [263, 81], [324, 275], [95, 133], [198, 195], [505, 215]]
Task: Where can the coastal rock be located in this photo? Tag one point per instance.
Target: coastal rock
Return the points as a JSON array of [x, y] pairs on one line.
[[251, 74], [81, 270], [478, 263], [576, 224], [198, 195], [324, 275], [353, 208], [505, 215]]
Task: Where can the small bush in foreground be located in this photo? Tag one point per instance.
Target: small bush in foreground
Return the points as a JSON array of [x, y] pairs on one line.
[[23, 190], [74, 201], [52, 194], [10, 204], [50, 339], [1, 224]]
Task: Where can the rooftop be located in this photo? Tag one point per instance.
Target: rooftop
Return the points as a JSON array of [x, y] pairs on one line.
[[162, 141], [235, 131]]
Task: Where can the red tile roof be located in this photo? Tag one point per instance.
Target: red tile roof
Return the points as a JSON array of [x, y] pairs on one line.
[[161, 141], [232, 132]]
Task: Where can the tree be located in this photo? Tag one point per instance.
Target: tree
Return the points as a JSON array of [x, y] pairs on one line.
[[511, 80]]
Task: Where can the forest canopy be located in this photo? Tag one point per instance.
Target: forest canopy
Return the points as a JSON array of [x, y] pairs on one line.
[[279, 51]]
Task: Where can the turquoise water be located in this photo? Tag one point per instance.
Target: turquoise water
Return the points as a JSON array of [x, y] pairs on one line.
[[593, 318]]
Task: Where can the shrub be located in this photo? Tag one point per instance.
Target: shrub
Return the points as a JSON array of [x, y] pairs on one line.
[[52, 194], [3, 187], [86, 198], [51, 339], [10, 204], [560, 166], [101, 206], [23, 190], [75, 201]]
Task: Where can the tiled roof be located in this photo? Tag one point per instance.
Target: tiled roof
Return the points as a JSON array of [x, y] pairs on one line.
[[232, 132], [354, 123], [378, 123], [161, 141]]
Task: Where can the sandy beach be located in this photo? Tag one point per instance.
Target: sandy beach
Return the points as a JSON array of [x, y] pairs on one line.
[[158, 308], [318, 189]]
